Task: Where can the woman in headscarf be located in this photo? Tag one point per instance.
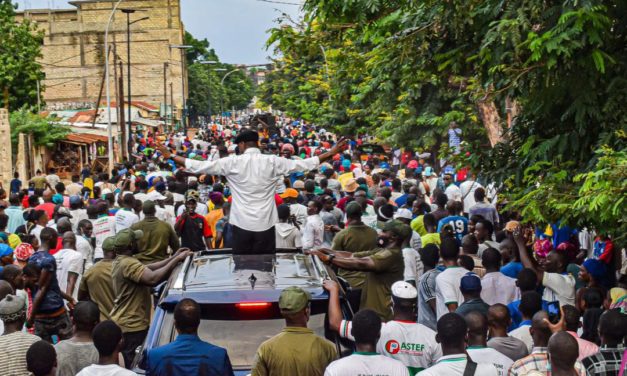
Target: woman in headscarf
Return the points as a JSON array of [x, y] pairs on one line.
[[592, 273]]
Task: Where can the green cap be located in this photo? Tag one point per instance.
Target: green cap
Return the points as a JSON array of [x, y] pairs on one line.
[[148, 206], [126, 237], [293, 299], [108, 245], [353, 209], [398, 228]]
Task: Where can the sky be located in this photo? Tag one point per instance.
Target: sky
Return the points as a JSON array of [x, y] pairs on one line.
[[236, 29]]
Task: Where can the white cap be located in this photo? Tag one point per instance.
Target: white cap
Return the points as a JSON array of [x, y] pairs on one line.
[[155, 196], [105, 191], [403, 213], [404, 290]]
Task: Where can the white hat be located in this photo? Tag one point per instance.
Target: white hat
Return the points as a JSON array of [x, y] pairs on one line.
[[155, 196], [105, 191], [403, 213], [404, 290]]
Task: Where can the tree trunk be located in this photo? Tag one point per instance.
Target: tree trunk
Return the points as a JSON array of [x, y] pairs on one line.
[[491, 121]]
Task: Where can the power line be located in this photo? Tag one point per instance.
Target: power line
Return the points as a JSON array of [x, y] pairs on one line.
[[279, 2]]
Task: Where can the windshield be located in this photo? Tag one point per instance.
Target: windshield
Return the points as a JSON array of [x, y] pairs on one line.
[[240, 338]]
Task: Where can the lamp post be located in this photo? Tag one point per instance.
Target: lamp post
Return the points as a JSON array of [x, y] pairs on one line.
[[182, 47], [109, 129], [222, 84], [128, 13]]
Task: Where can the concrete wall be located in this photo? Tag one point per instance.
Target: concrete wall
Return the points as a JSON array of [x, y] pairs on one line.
[[73, 50]]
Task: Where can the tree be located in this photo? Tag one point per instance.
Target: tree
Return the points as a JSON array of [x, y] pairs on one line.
[[538, 88], [20, 47], [206, 95], [44, 131]]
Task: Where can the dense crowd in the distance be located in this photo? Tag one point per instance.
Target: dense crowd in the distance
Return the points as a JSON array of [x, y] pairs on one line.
[[441, 279]]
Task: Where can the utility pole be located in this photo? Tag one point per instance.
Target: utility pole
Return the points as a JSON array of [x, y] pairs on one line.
[[127, 132], [171, 106], [121, 122], [165, 94]]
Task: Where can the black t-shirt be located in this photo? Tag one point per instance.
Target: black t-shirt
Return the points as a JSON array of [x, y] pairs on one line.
[[194, 230]]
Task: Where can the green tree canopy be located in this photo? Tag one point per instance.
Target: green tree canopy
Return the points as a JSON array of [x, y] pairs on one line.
[[20, 46]]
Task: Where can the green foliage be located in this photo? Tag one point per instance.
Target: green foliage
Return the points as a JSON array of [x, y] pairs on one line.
[[20, 46], [206, 95], [404, 69], [44, 131]]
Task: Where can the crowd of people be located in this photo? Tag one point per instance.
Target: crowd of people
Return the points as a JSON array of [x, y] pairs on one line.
[[441, 279]]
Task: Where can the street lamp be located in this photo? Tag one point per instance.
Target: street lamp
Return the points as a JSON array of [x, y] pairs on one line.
[[222, 84], [128, 13], [207, 62], [182, 47]]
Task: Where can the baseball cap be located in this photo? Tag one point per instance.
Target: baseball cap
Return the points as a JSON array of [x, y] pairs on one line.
[[293, 299], [192, 195], [106, 191], [155, 196], [289, 193], [299, 184], [404, 290], [148, 206], [428, 171], [470, 283], [412, 164], [397, 228], [65, 212], [403, 213], [126, 237], [108, 245]]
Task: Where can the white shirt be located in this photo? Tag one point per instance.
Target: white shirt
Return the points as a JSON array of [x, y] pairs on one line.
[[125, 219], [104, 227], [313, 233], [467, 190], [453, 193], [523, 334], [69, 261], [498, 288], [454, 365], [77, 216], [300, 212], [447, 289], [560, 287], [108, 370], [85, 249], [201, 209], [413, 265], [488, 355], [252, 177], [411, 343], [366, 364]]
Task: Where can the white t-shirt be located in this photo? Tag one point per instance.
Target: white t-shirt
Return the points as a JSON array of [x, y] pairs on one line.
[[77, 216], [447, 289], [69, 261], [498, 288], [411, 343], [413, 265], [313, 233], [523, 334], [108, 370], [300, 212], [454, 365], [86, 250], [125, 219], [467, 190], [104, 227], [366, 364], [560, 287], [488, 355]]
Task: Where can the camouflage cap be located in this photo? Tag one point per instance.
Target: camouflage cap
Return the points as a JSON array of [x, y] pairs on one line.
[[398, 228], [126, 237], [293, 299], [192, 195]]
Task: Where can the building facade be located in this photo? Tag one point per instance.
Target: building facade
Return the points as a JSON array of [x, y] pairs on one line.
[[74, 52]]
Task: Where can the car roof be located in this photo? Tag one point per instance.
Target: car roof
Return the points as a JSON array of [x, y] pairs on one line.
[[222, 277]]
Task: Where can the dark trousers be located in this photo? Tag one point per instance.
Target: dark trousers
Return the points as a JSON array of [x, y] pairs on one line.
[[252, 242], [132, 340]]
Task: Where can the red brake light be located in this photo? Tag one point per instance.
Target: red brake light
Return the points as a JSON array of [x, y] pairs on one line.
[[253, 305]]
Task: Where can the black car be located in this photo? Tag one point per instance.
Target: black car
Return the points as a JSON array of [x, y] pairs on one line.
[[238, 296]]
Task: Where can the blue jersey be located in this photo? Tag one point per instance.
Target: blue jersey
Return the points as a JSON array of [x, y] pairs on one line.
[[458, 223]]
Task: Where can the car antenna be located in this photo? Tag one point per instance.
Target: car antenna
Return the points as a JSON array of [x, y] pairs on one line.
[[252, 279]]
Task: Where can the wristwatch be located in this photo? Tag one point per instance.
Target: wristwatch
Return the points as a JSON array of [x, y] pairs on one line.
[[330, 259]]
